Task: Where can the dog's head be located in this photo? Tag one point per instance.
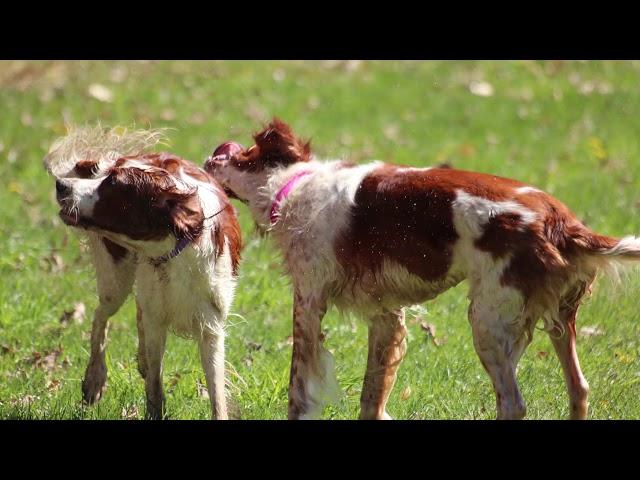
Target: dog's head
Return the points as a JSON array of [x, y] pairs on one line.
[[243, 171], [130, 201]]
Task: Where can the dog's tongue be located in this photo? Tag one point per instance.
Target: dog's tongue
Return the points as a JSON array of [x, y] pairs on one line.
[[227, 149]]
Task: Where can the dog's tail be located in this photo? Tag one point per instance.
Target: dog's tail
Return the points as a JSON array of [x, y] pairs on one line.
[[100, 144], [607, 253]]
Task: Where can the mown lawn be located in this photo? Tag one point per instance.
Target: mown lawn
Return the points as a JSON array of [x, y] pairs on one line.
[[569, 128]]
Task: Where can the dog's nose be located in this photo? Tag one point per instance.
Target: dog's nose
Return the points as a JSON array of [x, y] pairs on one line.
[[61, 188]]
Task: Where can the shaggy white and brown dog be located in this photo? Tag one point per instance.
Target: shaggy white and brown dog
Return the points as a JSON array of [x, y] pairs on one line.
[[163, 223], [376, 237]]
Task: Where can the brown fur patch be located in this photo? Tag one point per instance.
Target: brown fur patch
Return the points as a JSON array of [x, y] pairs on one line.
[[227, 227], [85, 168], [146, 205], [399, 217], [407, 217]]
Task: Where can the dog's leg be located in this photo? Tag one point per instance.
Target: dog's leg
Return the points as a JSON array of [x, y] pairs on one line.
[[500, 338], [312, 382], [142, 355], [387, 347], [212, 357], [154, 345], [115, 281], [564, 344]]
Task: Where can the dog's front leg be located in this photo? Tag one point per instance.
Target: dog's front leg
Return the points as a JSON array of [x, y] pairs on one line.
[[115, 281], [312, 383], [212, 357]]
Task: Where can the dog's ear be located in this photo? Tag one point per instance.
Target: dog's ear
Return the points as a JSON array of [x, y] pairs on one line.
[[184, 212], [278, 145]]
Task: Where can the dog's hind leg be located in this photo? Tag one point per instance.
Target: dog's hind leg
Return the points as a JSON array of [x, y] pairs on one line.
[[155, 329], [564, 344], [500, 337], [211, 345], [387, 347], [115, 273]]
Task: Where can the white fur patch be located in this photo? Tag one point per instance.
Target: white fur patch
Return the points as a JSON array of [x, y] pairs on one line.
[[312, 215], [323, 389], [472, 213]]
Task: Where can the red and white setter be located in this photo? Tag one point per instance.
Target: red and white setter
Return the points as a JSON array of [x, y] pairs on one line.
[[163, 223], [377, 237]]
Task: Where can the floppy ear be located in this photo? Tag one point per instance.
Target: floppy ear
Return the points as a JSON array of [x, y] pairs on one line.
[[184, 213], [279, 146]]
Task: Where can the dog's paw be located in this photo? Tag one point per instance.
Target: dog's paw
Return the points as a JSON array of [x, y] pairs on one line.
[[155, 410], [94, 383]]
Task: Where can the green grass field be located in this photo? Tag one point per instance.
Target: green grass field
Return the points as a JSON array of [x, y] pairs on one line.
[[572, 129]]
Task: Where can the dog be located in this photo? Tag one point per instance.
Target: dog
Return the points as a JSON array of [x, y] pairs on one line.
[[374, 238], [156, 220]]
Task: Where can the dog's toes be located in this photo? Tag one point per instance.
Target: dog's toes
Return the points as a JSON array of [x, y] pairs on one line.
[[154, 412], [94, 384], [92, 394]]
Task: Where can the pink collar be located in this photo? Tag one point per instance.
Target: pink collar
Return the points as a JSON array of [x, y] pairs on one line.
[[283, 193]]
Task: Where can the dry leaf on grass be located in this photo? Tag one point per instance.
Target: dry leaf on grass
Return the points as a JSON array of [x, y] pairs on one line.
[[406, 393], [254, 346], [53, 385], [286, 343], [279, 75], [591, 331], [168, 114], [430, 330], [481, 89], [202, 389], [76, 314], [100, 93], [130, 413], [46, 361], [56, 263], [24, 401]]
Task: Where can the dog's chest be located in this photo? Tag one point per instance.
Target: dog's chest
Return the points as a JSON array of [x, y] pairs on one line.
[[176, 293]]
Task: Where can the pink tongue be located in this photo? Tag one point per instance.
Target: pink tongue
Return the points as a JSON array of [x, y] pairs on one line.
[[228, 149]]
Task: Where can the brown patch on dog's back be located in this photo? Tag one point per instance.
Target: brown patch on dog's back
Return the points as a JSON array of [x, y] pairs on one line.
[[404, 218]]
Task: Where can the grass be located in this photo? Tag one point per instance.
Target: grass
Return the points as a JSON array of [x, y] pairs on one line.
[[569, 128]]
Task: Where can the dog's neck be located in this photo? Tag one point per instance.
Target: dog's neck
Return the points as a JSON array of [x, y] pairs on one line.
[[283, 193], [277, 180], [181, 244]]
